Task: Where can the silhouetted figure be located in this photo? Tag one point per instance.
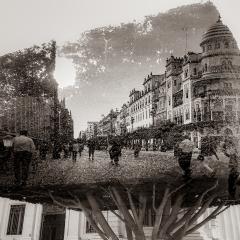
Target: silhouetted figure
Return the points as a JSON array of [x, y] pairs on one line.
[[91, 148], [66, 150], [183, 151], [75, 149], [23, 148], [43, 149], [81, 147], [137, 149], [57, 148], [115, 153]]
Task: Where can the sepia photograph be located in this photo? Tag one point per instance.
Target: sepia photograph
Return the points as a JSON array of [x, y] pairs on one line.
[[119, 120]]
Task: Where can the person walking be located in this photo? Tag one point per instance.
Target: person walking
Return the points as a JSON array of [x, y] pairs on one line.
[[81, 147], [137, 150], [66, 150], [91, 148], [23, 149], [43, 149], [183, 151], [75, 149], [115, 153]]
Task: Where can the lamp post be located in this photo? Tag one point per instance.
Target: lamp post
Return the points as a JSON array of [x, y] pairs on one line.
[[207, 94], [8, 141], [59, 121], [132, 121], [153, 113], [209, 104]]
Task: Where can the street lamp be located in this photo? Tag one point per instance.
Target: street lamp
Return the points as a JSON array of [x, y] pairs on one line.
[[208, 94], [132, 121], [59, 121], [153, 113], [8, 141]]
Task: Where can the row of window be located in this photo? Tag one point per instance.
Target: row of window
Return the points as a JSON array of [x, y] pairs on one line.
[[217, 45], [140, 104], [141, 116]]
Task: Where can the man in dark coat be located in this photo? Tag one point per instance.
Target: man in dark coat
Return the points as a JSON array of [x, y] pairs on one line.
[[23, 149], [91, 148], [137, 149], [183, 151], [115, 153]]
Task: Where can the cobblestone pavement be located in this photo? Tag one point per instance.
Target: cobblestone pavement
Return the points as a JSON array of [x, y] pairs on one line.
[[151, 164]]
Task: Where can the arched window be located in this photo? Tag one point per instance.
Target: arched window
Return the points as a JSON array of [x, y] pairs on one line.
[[186, 93], [195, 71], [209, 47], [203, 48], [205, 67], [217, 45], [226, 44]]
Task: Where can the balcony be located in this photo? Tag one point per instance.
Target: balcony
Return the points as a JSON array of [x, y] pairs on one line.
[[178, 98]]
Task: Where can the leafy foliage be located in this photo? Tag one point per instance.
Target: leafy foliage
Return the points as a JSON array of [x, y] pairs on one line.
[[28, 72]]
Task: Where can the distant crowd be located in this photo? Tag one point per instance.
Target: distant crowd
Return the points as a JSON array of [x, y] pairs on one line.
[[23, 150]]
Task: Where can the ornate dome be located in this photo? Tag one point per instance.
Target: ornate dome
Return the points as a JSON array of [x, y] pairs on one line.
[[217, 30]]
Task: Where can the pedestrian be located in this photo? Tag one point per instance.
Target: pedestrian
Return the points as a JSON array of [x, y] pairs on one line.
[[137, 149], [115, 153], [91, 148], [230, 150], [70, 148], [81, 147], [75, 149], [183, 151], [23, 149], [43, 149], [66, 150]]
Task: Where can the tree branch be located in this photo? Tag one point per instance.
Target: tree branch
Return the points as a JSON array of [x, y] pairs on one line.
[[159, 212], [118, 215], [211, 216], [154, 198], [100, 218], [188, 215], [142, 209], [174, 213], [133, 209]]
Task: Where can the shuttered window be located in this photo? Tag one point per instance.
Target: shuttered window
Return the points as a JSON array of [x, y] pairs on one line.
[[16, 217]]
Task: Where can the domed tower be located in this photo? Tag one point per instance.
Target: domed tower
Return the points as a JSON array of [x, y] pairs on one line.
[[217, 90], [220, 53]]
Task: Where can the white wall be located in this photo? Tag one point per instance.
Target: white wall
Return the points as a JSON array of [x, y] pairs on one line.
[[31, 222]]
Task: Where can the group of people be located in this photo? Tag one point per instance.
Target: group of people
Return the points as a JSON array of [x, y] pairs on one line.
[[23, 149], [183, 151]]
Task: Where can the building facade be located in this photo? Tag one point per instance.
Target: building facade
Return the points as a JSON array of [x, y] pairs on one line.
[[26, 221], [203, 87], [142, 103], [92, 129]]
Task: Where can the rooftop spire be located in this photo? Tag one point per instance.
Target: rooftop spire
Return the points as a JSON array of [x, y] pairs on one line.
[[219, 19]]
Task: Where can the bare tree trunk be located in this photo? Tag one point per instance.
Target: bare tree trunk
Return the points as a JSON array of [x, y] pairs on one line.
[[170, 223]]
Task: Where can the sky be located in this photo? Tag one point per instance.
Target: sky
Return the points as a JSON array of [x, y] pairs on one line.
[[24, 23]]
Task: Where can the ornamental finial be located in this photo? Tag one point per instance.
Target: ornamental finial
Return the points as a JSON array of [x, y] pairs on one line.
[[219, 18]]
